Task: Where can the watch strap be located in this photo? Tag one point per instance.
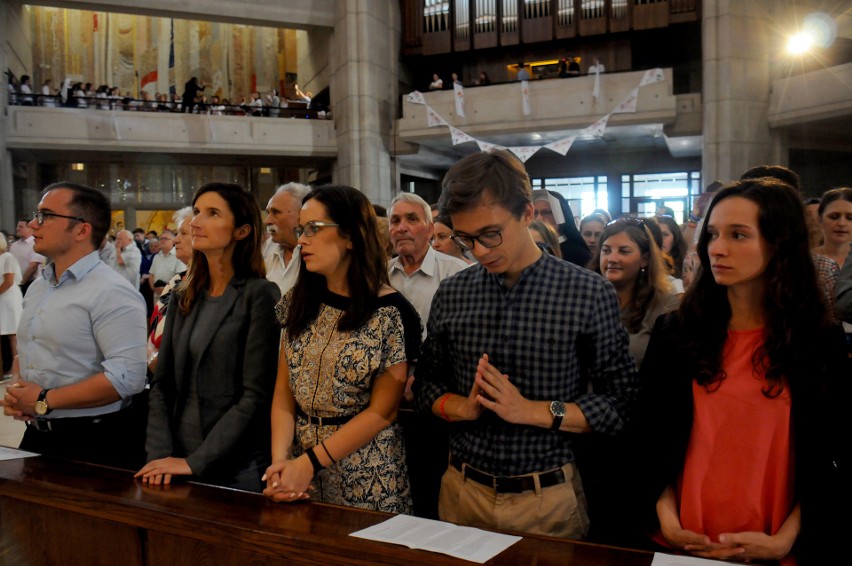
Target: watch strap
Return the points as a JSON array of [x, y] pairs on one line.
[[42, 398], [557, 418]]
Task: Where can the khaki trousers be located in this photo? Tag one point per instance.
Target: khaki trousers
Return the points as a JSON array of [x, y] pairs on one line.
[[559, 510]]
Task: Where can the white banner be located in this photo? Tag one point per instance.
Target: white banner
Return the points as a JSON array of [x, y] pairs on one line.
[[525, 93], [596, 91], [458, 90]]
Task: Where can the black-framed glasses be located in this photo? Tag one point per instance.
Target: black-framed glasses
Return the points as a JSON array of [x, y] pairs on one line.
[[489, 239], [310, 229], [40, 215]]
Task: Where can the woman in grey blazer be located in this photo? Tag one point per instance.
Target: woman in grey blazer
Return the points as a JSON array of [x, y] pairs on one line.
[[210, 397]]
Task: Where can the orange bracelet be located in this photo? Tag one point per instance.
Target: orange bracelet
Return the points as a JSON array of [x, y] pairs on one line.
[[444, 414]]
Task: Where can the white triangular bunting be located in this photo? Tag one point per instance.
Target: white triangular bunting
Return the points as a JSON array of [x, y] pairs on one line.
[[415, 97], [524, 152], [561, 146], [459, 136], [597, 129], [629, 103], [433, 118], [652, 76]]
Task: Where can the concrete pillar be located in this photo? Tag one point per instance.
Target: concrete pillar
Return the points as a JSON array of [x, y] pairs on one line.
[[736, 39], [364, 94]]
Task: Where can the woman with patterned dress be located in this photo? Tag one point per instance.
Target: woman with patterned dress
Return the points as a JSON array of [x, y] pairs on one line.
[[347, 343]]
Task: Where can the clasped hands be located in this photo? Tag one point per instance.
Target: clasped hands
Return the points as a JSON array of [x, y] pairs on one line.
[[19, 401], [289, 480], [741, 547], [494, 391]]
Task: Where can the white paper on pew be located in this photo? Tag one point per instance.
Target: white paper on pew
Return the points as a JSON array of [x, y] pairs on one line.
[[672, 560], [13, 454], [467, 543]]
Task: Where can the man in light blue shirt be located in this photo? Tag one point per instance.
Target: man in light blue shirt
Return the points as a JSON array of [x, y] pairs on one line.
[[82, 353]]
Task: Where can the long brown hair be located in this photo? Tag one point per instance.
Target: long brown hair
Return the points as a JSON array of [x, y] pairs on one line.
[[247, 258], [368, 270], [650, 282]]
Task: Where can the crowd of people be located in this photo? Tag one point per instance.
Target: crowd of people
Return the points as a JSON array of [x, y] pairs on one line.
[[566, 68], [193, 100], [629, 381]]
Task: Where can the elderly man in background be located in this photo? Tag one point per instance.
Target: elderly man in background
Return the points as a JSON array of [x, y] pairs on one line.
[[418, 269], [127, 258], [282, 217], [416, 272], [165, 264]]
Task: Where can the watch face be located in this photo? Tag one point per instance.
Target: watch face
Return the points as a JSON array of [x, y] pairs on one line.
[[557, 409], [41, 408]]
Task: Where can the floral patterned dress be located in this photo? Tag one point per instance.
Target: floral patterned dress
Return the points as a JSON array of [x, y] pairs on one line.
[[331, 375]]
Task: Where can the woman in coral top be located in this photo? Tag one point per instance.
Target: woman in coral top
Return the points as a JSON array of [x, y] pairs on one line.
[[742, 404]]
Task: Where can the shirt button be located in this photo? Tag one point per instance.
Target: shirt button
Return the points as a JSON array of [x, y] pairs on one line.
[[33, 338]]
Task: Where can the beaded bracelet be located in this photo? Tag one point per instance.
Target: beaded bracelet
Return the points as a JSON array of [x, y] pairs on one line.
[[441, 410]]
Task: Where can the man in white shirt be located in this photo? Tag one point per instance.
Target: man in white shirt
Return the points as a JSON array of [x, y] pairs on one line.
[[418, 269], [416, 272], [28, 260], [165, 265], [127, 258], [282, 216]]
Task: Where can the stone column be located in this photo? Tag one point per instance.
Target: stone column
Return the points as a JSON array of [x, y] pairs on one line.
[[736, 39], [364, 94]]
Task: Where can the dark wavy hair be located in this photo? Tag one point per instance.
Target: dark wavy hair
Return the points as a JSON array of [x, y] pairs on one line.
[[247, 258], [352, 210], [794, 311], [650, 281]]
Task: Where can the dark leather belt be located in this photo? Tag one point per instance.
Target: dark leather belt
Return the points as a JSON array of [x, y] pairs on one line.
[[72, 423], [323, 421], [508, 484]]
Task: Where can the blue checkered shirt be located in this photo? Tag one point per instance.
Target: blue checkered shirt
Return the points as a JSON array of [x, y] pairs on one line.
[[556, 333]]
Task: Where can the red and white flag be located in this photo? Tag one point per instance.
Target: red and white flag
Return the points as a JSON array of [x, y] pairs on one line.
[[458, 90]]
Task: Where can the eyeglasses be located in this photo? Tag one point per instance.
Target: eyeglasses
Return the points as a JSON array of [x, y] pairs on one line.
[[311, 228], [40, 215], [490, 239]]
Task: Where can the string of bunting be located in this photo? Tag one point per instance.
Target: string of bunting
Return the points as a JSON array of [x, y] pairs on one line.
[[561, 146]]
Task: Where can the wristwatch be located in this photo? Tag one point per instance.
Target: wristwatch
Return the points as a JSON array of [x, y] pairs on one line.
[[557, 409], [41, 407]]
